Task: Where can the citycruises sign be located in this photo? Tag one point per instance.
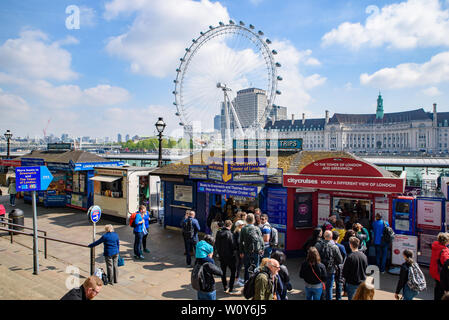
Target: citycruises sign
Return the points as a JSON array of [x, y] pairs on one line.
[[360, 184]]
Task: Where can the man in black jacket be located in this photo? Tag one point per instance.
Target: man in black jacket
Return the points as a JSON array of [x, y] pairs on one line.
[[331, 258], [89, 290], [354, 268], [225, 247]]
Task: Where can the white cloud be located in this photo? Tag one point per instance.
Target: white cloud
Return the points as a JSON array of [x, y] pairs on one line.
[[432, 92], [11, 104], [67, 95], [88, 17], [160, 32], [34, 56], [408, 75], [405, 25]]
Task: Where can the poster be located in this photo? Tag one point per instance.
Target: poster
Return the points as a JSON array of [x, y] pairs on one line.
[[400, 243], [382, 203], [303, 210], [324, 198], [323, 213], [183, 193], [277, 207], [425, 246], [429, 214]]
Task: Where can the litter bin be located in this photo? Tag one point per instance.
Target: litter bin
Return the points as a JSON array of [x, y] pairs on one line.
[[17, 218]]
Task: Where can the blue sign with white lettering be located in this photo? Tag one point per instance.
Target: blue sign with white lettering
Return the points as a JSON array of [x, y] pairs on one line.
[[33, 178], [228, 189]]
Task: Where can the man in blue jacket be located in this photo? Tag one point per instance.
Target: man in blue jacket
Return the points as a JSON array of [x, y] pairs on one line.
[[190, 228], [379, 244]]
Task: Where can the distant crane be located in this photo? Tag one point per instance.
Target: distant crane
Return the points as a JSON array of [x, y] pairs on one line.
[[45, 129]]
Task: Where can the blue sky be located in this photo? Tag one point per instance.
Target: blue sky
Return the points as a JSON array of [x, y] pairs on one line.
[[115, 73]]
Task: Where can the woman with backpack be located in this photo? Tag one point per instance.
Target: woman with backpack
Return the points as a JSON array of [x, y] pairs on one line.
[[410, 274], [314, 274], [362, 234]]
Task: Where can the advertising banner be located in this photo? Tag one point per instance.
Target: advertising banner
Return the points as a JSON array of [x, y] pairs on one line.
[[198, 172], [400, 243], [341, 167], [380, 185], [277, 207], [228, 189], [303, 211], [429, 214], [324, 203]]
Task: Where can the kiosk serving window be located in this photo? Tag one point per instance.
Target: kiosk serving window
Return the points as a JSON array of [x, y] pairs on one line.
[[108, 186]]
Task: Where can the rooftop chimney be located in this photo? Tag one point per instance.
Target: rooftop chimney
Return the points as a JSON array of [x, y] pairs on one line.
[[327, 116], [303, 118], [293, 118], [435, 120]]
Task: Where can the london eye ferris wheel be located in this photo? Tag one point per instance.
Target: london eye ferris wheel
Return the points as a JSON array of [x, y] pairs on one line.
[[220, 62]]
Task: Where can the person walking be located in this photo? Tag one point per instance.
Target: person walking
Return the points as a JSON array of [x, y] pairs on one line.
[[331, 258], [314, 274], [266, 281], [190, 229], [239, 260], [139, 224], [12, 191], [283, 274], [265, 229], [339, 280], [354, 268], [111, 244], [406, 277], [87, 291], [440, 254], [146, 218], [379, 243], [251, 245], [225, 247], [365, 290], [204, 270]]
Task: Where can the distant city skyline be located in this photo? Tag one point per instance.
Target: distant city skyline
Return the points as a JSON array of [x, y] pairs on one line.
[[113, 71]]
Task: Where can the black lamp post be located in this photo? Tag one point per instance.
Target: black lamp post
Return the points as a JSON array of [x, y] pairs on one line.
[[160, 126], [8, 136]]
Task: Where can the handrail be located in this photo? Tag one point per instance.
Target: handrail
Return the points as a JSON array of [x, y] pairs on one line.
[[28, 228], [92, 252]]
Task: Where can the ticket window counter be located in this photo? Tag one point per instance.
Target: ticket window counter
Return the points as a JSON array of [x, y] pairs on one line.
[[354, 210], [109, 194]]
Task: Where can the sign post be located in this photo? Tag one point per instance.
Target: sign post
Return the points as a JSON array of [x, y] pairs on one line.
[[94, 213], [33, 179]]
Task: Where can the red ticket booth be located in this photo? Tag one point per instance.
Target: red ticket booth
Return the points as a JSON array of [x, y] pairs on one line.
[[323, 183]]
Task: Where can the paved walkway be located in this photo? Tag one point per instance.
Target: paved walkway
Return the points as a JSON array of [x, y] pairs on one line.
[[161, 275]]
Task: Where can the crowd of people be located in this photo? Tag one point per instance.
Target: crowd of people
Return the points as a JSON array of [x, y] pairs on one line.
[[246, 244]]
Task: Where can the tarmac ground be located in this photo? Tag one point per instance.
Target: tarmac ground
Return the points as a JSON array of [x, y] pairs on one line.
[[162, 275]]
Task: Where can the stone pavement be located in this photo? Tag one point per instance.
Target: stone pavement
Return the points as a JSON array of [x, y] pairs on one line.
[[162, 275]]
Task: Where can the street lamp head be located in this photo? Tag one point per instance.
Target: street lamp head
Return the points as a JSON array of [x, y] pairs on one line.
[[8, 134], [160, 125]]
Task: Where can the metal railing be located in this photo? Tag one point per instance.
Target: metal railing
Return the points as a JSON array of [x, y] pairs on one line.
[[13, 231]]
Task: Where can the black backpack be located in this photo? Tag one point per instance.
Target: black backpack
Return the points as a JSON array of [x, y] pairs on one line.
[[187, 229], [196, 276], [387, 234], [249, 289], [327, 256]]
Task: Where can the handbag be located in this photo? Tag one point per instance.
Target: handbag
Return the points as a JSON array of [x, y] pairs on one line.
[[120, 261], [323, 284]]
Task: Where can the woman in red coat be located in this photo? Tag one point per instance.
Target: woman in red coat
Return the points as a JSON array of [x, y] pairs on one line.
[[440, 252]]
